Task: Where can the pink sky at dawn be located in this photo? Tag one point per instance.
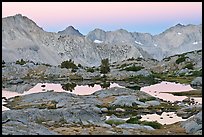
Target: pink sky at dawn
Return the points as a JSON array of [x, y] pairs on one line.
[[86, 16]]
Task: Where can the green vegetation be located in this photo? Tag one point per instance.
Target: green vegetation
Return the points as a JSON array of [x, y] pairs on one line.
[[80, 66], [147, 99], [90, 70], [105, 67], [133, 120], [68, 64], [142, 79], [21, 62], [48, 65], [164, 106], [131, 59], [173, 78], [181, 58], [115, 122], [189, 65], [3, 63], [75, 77], [133, 68], [105, 84], [193, 93], [197, 73], [153, 124]]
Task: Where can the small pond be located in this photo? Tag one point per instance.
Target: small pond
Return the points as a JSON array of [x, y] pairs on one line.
[[157, 90], [154, 90]]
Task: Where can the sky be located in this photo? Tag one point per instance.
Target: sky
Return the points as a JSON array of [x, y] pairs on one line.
[[145, 17]]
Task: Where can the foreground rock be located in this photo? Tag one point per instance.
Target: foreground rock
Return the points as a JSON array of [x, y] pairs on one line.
[[194, 124], [21, 128]]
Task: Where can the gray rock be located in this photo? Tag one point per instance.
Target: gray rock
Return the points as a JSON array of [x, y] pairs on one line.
[[134, 126], [117, 91], [193, 124], [119, 110], [152, 103], [17, 81], [19, 128], [124, 101], [197, 81], [105, 110], [113, 119]]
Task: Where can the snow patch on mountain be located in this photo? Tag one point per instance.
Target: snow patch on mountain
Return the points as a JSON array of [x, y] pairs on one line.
[[98, 41], [138, 43]]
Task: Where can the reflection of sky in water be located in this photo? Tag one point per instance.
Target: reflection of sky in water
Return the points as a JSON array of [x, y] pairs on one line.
[[79, 90], [167, 118], [157, 89]]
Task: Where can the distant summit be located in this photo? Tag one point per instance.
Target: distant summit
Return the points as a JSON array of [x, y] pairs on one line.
[[70, 31]]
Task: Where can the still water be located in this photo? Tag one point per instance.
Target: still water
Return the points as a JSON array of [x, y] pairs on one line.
[[155, 90]]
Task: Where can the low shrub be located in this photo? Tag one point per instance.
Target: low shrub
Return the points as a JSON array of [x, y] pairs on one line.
[[181, 58], [133, 120], [68, 64], [189, 66], [90, 70], [21, 62]]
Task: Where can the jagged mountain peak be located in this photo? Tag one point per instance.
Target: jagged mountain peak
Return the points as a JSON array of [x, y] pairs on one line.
[[70, 30]]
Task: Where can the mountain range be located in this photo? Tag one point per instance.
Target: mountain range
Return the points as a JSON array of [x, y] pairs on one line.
[[22, 38]]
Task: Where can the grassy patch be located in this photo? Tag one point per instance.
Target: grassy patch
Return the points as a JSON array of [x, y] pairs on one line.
[[75, 77], [133, 120], [189, 65], [142, 79], [197, 73], [193, 93], [153, 124], [165, 107]]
